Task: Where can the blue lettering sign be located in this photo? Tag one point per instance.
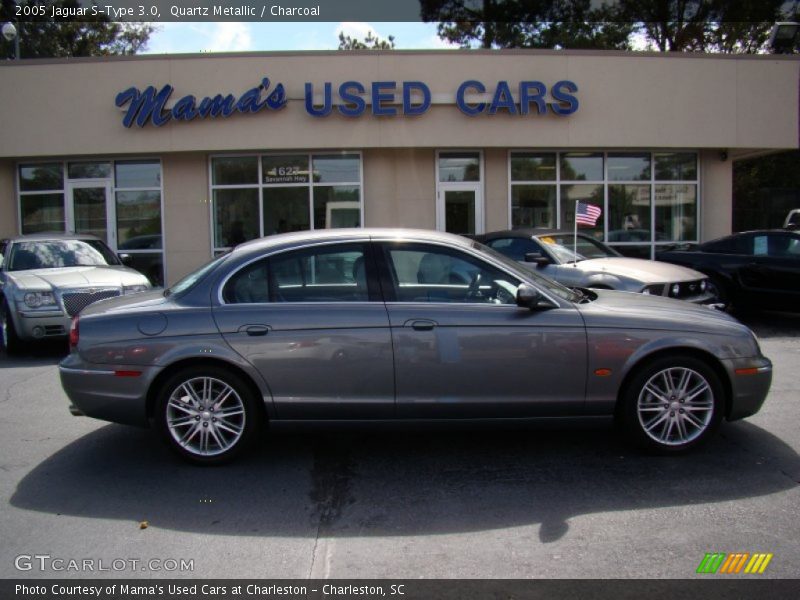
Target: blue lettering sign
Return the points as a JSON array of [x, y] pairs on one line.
[[526, 97], [327, 101], [415, 109], [379, 96], [149, 106], [565, 103], [355, 104], [502, 99], [470, 109]]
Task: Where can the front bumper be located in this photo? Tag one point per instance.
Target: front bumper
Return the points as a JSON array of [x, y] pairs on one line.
[[38, 325], [750, 382], [116, 393]]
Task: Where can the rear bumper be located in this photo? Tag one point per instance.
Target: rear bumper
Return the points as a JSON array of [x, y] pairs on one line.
[[116, 393], [750, 382]]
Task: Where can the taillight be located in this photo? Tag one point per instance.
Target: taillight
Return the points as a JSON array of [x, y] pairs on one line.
[[74, 334]]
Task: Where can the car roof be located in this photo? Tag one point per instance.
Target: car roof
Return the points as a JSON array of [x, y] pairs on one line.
[[53, 235], [301, 238]]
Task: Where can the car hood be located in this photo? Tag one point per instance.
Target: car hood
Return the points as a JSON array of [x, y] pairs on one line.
[[631, 310], [646, 271], [76, 277]]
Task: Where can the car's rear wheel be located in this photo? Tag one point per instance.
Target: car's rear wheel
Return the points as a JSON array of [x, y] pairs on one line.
[[207, 414], [672, 404], [12, 343]]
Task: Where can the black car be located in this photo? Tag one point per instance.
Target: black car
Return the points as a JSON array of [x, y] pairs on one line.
[[749, 269]]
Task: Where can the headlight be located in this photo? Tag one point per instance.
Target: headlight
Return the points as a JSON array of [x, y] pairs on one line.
[[38, 299], [703, 285], [675, 290], [133, 289]]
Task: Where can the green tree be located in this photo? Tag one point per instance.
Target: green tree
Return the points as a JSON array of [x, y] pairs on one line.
[[44, 37], [529, 23], [371, 42]]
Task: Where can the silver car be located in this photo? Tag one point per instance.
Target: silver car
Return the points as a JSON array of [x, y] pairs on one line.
[[46, 279], [402, 326], [592, 264]]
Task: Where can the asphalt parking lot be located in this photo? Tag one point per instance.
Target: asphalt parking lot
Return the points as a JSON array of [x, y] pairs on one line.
[[508, 504]]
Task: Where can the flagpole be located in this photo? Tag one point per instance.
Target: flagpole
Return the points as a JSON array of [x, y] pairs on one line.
[[575, 238]]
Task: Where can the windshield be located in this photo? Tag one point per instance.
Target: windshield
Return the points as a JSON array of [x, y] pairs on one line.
[[55, 254], [191, 279], [563, 247], [511, 265]]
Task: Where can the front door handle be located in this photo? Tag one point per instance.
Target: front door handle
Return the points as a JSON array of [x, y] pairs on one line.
[[422, 324], [254, 330]]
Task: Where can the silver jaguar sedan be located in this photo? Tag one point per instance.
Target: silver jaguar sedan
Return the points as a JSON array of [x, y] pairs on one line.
[[382, 327], [47, 278]]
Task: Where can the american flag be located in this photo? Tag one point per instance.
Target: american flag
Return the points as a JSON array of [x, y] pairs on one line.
[[587, 214]]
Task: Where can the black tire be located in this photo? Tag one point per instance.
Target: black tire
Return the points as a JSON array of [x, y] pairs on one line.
[[181, 417], [9, 340], [672, 422]]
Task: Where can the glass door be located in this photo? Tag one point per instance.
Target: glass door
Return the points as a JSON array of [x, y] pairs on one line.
[[88, 209], [459, 192]]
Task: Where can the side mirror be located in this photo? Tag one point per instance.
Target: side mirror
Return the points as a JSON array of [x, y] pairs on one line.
[[538, 258], [126, 259], [528, 297]]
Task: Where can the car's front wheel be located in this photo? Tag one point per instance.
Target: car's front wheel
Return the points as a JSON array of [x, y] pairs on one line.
[[12, 343], [672, 404], [207, 414]]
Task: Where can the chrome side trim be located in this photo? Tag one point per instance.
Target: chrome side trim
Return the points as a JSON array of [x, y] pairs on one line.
[[84, 371]]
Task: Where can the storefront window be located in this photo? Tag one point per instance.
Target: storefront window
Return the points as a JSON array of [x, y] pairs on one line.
[[592, 194], [629, 213], [286, 209], [263, 195], [52, 193], [581, 166], [42, 212], [646, 198], [138, 174], [459, 166], [533, 206], [676, 166], [629, 167], [676, 212], [35, 178], [528, 166], [235, 170], [89, 170], [236, 213]]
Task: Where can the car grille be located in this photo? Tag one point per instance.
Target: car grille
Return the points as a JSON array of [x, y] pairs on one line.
[[686, 289], [75, 302]]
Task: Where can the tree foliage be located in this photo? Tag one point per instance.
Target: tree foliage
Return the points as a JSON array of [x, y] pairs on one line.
[[371, 42], [728, 26], [44, 37]]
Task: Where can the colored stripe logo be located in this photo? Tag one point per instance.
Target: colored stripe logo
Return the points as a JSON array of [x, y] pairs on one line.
[[735, 563]]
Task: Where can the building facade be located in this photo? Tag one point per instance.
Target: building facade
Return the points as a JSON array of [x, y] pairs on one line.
[[174, 159]]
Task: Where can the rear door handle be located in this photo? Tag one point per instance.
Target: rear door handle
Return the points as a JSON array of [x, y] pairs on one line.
[[254, 330], [421, 324]]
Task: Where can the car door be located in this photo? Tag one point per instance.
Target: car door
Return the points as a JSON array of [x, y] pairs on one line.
[[313, 323], [464, 349], [780, 270], [516, 248]]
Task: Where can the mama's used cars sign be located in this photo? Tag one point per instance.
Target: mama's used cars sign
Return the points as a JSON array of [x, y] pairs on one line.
[[380, 98]]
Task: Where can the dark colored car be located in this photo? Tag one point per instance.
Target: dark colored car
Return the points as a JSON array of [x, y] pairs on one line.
[[378, 326], [582, 261], [750, 269]]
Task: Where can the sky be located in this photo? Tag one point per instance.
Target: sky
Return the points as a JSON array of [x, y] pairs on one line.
[[175, 38]]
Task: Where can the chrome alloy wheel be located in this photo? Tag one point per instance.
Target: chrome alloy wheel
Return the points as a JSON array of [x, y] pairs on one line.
[[675, 406], [205, 416]]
